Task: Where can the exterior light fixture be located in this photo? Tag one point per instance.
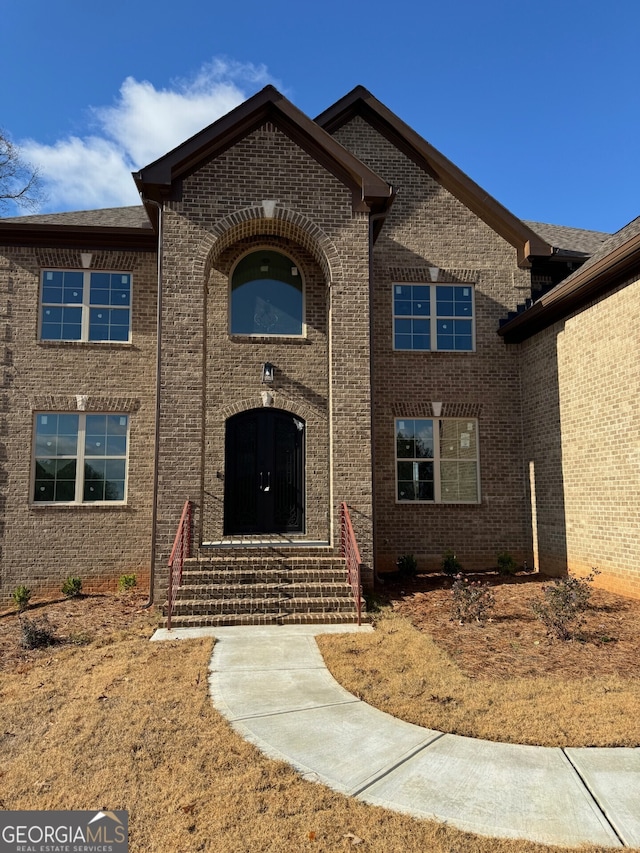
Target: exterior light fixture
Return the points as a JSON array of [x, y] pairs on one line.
[[436, 408], [267, 372]]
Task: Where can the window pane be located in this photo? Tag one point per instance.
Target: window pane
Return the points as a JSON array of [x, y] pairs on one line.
[[459, 481], [266, 296], [406, 491]]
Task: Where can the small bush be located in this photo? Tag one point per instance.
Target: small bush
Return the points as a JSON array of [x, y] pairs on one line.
[[450, 564], [407, 565], [506, 564], [472, 601], [127, 582], [564, 602], [21, 596], [36, 634], [72, 587]]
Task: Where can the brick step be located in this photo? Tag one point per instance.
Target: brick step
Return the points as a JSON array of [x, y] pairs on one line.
[[247, 576], [231, 561], [277, 605], [228, 619], [264, 590], [257, 552]]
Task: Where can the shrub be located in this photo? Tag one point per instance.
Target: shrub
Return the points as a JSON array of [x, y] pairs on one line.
[[35, 634], [564, 602], [72, 587], [21, 595], [450, 564], [472, 601], [407, 565], [126, 582], [506, 564]]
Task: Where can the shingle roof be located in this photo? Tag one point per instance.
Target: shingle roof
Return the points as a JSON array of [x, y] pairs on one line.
[[616, 261], [570, 239], [110, 217]]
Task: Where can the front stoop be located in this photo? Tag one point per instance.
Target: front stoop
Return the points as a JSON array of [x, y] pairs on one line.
[[276, 589]]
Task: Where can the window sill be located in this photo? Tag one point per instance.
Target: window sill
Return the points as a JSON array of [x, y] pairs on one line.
[[99, 344], [269, 339], [111, 506]]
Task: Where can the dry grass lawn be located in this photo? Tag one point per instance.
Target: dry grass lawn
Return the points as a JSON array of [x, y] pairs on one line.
[[504, 680], [122, 723]]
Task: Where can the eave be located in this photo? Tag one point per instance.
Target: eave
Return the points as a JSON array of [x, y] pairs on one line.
[[77, 236], [361, 102], [578, 290]]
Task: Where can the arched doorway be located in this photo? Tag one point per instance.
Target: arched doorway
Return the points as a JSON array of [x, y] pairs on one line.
[[264, 473]]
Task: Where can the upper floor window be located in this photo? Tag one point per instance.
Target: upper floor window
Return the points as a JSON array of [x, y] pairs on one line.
[[433, 317], [266, 296], [437, 460], [80, 458], [84, 305]]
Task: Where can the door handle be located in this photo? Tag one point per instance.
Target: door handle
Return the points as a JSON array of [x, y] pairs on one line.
[[264, 488], [268, 481]]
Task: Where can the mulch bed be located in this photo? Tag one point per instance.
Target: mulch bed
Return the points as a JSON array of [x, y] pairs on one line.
[[514, 642], [73, 621]]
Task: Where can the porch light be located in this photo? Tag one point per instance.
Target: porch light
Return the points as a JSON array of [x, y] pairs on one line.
[[267, 372], [436, 408]]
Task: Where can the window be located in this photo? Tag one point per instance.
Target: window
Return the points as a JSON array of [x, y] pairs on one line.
[[433, 317], [80, 305], [437, 460], [80, 458], [266, 296]]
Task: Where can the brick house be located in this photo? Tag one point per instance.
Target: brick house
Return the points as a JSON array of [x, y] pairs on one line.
[[318, 303]]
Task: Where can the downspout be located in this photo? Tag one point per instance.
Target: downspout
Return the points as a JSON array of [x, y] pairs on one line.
[[156, 441], [372, 219]]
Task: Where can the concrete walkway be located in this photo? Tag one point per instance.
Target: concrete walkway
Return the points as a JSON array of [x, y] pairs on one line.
[[272, 684]]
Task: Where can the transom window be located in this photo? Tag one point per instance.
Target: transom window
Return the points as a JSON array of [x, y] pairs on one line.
[[437, 460], [81, 305], [80, 458], [433, 317], [266, 296]]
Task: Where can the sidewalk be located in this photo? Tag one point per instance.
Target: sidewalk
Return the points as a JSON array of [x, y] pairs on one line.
[[272, 684]]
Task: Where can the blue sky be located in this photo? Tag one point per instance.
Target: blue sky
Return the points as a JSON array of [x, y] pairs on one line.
[[538, 102]]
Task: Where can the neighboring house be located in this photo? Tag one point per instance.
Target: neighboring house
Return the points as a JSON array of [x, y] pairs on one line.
[[330, 298]]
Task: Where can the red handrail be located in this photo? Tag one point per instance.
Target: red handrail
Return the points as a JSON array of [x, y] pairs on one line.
[[180, 551], [351, 554]]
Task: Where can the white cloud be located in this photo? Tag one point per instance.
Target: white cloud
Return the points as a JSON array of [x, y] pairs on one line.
[[144, 123]]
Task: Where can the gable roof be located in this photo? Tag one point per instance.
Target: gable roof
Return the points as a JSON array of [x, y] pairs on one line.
[[616, 261], [369, 190], [361, 102], [112, 227]]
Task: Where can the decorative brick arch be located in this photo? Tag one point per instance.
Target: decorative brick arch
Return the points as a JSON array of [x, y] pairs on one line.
[[281, 222], [280, 401]]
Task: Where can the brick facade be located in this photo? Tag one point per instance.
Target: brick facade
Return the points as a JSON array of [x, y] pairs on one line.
[[549, 411], [581, 378]]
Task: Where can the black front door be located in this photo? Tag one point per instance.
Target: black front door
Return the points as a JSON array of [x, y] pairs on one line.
[[264, 473]]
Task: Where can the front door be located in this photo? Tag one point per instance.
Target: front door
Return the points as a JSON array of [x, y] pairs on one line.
[[264, 473]]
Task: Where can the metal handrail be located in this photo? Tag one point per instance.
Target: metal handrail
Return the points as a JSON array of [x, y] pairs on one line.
[[180, 551], [351, 553]]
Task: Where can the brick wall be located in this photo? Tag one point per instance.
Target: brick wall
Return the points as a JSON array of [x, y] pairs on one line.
[[210, 375], [42, 545], [428, 227], [580, 414]]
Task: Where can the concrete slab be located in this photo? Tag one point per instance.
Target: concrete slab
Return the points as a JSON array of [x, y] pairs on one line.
[[613, 778], [257, 631], [276, 652], [239, 694], [345, 746], [496, 789]]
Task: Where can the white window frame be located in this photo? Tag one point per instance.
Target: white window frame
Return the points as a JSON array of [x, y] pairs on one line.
[[85, 306], [436, 459], [433, 317], [294, 263], [80, 456]]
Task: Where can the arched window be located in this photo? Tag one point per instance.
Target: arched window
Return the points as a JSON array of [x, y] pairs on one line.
[[266, 295]]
